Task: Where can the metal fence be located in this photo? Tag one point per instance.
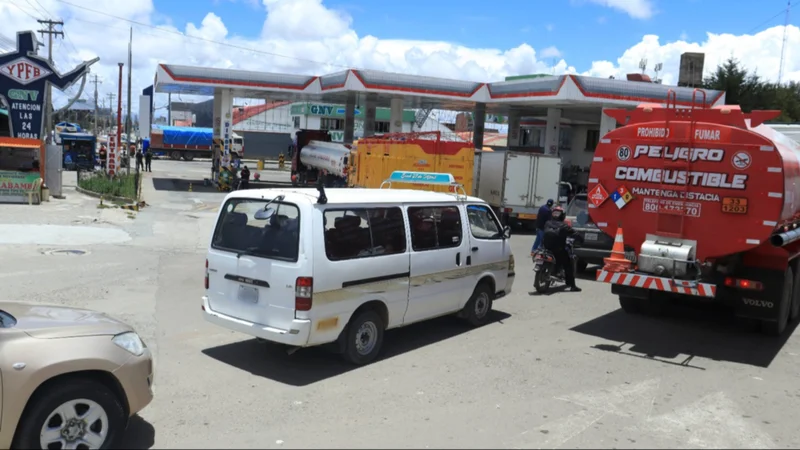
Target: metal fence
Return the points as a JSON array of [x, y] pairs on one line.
[[120, 185]]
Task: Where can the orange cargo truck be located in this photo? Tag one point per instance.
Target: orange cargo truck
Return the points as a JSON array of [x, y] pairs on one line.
[[374, 159]]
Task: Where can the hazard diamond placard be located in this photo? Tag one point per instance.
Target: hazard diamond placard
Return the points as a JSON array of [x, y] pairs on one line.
[[598, 195]]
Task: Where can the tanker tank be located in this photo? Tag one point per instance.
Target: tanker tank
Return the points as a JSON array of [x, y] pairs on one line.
[[723, 182], [327, 156]]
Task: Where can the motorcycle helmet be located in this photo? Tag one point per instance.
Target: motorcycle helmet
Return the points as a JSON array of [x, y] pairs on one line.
[[558, 214]]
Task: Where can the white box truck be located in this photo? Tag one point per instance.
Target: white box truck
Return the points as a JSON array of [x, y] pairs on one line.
[[517, 184]]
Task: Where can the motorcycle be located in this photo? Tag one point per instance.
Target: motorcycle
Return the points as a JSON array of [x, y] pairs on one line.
[[544, 265]]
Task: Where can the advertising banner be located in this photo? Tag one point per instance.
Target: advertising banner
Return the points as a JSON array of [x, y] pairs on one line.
[[14, 186]]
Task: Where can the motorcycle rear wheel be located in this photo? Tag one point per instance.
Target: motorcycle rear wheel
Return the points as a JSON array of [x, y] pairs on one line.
[[541, 282]]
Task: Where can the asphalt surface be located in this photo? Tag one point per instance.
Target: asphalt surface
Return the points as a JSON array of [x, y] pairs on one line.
[[567, 370]]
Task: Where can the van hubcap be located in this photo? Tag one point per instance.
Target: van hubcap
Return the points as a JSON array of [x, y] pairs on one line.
[[366, 338], [481, 305], [77, 424]]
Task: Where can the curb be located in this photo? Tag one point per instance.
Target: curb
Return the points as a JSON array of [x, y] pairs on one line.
[[103, 196]]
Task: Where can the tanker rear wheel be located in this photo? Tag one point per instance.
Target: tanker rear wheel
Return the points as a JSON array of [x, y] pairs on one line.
[[777, 327], [794, 313], [630, 305]]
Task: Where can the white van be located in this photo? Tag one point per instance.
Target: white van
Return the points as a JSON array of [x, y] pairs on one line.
[[305, 267]]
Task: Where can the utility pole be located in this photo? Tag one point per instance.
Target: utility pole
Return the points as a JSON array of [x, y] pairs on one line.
[[169, 109], [96, 81], [783, 45], [128, 119], [50, 32], [110, 96], [119, 147]]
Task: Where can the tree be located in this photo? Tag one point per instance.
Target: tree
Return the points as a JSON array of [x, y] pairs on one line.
[[750, 91]]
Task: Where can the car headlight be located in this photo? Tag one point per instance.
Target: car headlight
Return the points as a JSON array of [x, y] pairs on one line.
[[131, 342]]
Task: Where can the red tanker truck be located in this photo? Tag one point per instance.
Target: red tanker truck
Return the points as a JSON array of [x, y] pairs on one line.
[[709, 200]]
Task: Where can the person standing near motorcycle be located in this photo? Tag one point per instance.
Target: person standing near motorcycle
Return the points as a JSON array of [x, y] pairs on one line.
[[541, 218], [556, 232]]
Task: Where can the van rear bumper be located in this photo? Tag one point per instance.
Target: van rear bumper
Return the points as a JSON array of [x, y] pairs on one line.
[[296, 336]]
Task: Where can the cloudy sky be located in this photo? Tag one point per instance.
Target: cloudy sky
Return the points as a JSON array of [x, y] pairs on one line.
[[459, 39]]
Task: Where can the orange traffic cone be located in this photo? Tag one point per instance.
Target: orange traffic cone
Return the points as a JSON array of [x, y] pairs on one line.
[[617, 261]]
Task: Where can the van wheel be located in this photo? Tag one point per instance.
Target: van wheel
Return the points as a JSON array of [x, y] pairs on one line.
[[777, 327], [364, 338], [75, 413], [478, 307]]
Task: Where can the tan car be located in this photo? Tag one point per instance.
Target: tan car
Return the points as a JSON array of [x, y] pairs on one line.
[[69, 378]]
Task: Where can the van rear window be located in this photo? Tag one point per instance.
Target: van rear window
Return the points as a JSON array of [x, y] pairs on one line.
[[258, 228]]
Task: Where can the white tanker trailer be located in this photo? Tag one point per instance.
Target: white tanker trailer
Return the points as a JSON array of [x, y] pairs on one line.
[[316, 158]]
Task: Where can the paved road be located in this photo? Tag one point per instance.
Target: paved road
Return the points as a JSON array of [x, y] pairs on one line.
[[564, 370]]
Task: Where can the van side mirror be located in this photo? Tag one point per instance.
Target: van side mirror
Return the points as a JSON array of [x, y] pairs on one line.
[[506, 232]]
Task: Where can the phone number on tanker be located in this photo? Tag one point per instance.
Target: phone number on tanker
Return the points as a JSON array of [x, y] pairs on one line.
[[666, 193]]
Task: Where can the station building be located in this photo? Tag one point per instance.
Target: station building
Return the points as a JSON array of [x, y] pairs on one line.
[[556, 115]]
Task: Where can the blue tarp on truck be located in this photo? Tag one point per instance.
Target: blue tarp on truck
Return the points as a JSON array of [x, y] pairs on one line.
[[202, 137]]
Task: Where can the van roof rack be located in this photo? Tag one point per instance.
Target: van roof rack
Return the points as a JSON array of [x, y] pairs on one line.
[[441, 179]]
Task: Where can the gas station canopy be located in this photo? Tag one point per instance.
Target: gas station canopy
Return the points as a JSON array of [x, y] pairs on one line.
[[529, 95]]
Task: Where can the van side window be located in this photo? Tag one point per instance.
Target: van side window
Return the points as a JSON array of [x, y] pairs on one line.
[[364, 232], [434, 227], [482, 223]]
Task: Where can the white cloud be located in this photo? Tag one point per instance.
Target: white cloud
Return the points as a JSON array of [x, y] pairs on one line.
[[316, 40], [550, 52], [638, 9]]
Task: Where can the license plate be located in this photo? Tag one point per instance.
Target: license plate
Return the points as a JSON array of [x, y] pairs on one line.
[[248, 294], [590, 237]]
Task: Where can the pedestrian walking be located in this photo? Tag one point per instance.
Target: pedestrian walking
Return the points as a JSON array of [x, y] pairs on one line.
[[139, 163]]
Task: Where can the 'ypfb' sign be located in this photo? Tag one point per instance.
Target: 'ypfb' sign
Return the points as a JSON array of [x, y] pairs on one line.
[[24, 75]]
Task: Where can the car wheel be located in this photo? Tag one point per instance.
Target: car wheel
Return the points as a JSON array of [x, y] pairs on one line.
[[75, 413], [364, 338], [478, 307]]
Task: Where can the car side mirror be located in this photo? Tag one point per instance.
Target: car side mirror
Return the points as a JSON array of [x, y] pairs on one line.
[[506, 232]]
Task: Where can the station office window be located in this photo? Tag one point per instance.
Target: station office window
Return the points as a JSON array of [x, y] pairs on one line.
[[592, 139], [381, 127], [296, 121], [565, 138], [327, 123]]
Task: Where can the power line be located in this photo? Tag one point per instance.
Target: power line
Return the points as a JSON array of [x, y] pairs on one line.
[[768, 21], [210, 41], [23, 10]]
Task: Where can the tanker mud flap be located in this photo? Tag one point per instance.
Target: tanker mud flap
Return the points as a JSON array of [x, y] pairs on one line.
[[764, 304]]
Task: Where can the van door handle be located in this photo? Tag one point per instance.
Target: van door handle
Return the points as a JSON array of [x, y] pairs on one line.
[[474, 249], [458, 259]]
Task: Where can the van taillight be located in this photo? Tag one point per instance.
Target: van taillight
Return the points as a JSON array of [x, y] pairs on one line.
[[303, 291], [206, 283]]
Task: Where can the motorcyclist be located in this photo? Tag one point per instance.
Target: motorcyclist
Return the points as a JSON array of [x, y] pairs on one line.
[[541, 218], [556, 232]]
